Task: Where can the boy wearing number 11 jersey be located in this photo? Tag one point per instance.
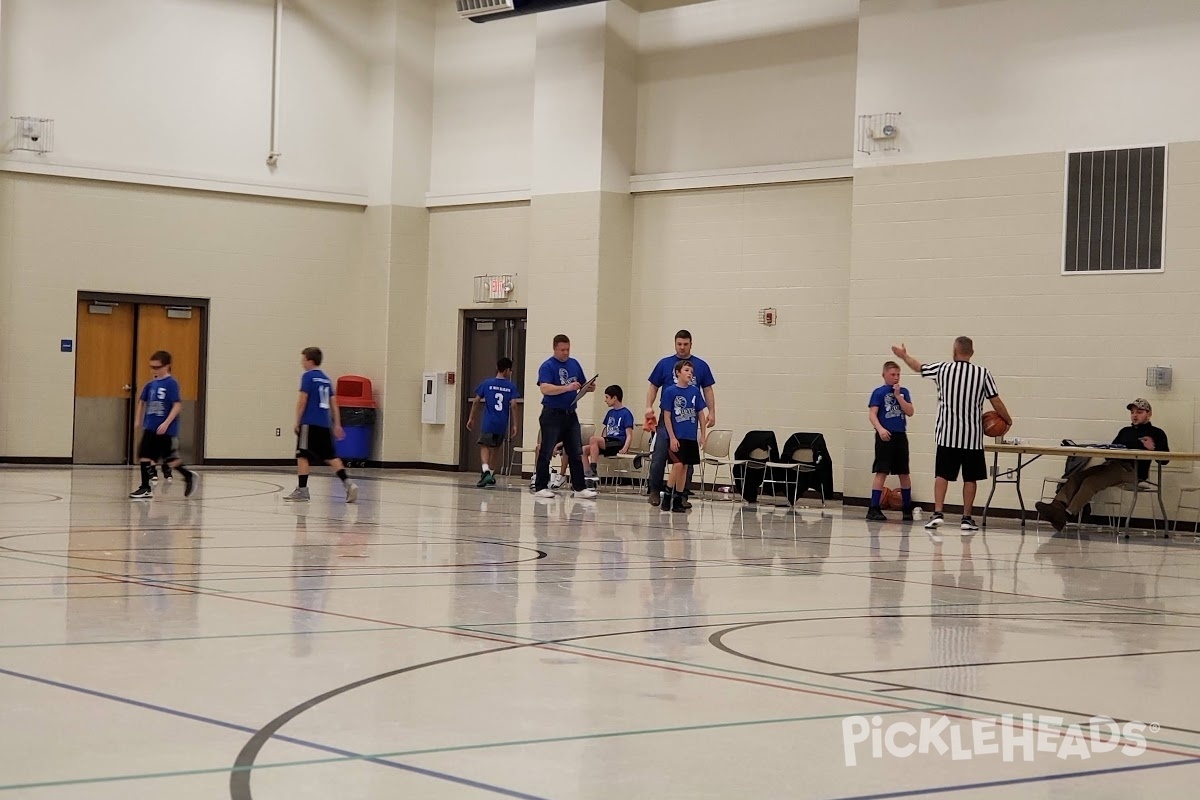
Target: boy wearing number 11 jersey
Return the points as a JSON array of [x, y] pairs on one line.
[[318, 422]]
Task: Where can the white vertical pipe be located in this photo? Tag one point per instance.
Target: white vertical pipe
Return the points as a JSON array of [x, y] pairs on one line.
[[276, 54]]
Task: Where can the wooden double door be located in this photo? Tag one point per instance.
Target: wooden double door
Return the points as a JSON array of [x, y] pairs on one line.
[[114, 339]]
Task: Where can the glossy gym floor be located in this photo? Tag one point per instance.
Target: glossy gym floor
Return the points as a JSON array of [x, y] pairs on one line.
[[441, 641]]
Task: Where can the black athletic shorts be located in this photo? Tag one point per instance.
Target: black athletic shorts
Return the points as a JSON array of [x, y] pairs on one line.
[[891, 456], [157, 447], [315, 444], [491, 439], [689, 452], [612, 447], [950, 460]]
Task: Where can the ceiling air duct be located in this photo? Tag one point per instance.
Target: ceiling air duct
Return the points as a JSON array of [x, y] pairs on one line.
[[488, 10]]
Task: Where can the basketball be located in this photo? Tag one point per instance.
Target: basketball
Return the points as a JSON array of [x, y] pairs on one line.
[[891, 500], [994, 424]]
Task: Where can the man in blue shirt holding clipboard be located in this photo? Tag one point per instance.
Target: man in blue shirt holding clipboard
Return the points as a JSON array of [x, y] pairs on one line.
[[562, 382]]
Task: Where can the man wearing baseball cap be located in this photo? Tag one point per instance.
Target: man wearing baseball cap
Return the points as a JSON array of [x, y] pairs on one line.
[[1081, 486]]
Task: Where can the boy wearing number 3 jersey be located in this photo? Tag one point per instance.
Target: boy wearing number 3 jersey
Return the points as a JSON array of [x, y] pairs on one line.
[[496, 396], [318, 422]]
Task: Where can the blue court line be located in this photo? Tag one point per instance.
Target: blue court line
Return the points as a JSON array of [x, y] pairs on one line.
[[429, 773], [158, 640], [1018, 781], [433, 750], [150, 582]]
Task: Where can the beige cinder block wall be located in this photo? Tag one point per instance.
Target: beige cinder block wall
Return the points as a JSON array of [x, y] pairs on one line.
[[974, 247]]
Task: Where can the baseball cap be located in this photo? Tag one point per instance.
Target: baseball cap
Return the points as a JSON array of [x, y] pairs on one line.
[[1141, 404]]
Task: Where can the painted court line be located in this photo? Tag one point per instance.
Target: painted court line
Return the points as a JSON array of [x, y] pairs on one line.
[[289, 739], [963, 787], [430, 751]]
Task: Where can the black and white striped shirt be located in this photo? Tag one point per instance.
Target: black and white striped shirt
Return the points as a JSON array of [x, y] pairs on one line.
[[962, 388]]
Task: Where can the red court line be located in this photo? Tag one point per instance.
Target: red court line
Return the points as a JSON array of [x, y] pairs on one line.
[[555, 647]]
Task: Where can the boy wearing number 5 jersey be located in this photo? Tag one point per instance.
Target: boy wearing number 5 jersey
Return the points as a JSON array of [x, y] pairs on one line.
[[318, 422], [159, 406], [496, 396]]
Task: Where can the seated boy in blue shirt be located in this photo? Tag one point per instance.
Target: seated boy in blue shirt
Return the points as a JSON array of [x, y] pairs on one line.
[[889, 409], [496, 396], [686, 422], [617, 433]]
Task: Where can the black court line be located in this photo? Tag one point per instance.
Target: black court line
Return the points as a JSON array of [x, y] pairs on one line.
[[244, 763], [290, 740], [1021, 661], [717, 641]]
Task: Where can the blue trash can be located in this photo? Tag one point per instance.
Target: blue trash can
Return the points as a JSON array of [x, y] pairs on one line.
[[358, 412], [357, 444]]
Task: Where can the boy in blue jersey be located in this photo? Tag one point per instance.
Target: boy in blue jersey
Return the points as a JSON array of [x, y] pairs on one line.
[[617, 431], [159, 406], [685, 412], [496, 396], [561, 382], [662, 377], [318, 423], [889, 408]]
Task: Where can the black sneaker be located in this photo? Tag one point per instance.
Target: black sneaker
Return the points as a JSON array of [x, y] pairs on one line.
[[935, 521], [482, 482], [968, 525], [875, 515], [908, 517], [190, 480], [141, 493], [665, 505]]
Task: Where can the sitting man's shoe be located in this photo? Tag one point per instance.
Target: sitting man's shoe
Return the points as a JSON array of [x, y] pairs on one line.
[[1054, 512]]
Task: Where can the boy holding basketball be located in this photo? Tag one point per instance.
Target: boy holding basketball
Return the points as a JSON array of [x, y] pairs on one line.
[[496, 396], [685, 414], [889, 408]]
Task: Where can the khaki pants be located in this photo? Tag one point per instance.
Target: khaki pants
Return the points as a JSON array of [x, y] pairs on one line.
[[1084, 484]]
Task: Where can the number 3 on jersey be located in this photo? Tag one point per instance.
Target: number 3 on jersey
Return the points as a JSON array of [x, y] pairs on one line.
[[499, 401]]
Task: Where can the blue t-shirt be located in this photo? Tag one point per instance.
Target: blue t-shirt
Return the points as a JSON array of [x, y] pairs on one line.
[[617, 423], [318, 410], [560, 373], [685, 406], [497, 395], [160, 395], [891, 416], [664, 372]]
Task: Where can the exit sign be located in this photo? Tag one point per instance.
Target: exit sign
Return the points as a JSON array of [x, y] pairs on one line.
[[499, 287]]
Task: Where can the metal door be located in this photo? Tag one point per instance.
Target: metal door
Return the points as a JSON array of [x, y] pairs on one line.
[[487, 338]]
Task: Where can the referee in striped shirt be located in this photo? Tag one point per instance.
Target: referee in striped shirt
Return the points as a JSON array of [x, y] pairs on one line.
[[962, 388]]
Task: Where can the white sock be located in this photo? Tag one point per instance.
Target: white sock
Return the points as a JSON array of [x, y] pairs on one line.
[[486, 468]]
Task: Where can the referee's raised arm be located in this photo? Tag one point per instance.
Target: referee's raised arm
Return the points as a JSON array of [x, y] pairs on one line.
[[901, 352]]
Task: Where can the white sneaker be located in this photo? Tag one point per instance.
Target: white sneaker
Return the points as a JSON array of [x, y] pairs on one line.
[[351, 492], [935, 522], [557, 481], [586, 494], [545, 493]]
